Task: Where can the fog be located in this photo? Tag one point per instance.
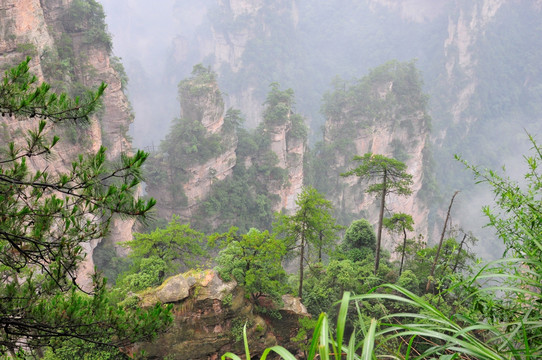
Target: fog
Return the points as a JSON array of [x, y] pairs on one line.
[[143, 35], [480, 63]]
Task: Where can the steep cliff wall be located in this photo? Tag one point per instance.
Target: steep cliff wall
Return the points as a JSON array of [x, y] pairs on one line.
[[239, 29], [215, 174], [66, 53], [383, 113], [198, 151], [287, 133]]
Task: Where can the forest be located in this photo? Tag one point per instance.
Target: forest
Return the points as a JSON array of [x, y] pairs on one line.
[[264, 241]]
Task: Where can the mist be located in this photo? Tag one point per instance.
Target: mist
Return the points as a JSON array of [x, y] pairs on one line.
[[143, 36], [304, 45]]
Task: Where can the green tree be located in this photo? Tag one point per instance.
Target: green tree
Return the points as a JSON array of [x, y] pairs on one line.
[[400, 223], [254, 261], [162, 253], [309, 225], [88, 17], [388, 176], [47, 216], [359, 240]]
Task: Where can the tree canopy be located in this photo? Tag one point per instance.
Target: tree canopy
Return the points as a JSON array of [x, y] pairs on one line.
[[254, 261], [359, 240]]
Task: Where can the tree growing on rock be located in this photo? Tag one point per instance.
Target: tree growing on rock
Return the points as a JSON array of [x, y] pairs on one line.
[[386, 176], [162, 253]]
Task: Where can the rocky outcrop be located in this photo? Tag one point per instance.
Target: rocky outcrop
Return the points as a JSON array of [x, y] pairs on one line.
[[209, 316], [290, 150], [198, 151], [38, 29]]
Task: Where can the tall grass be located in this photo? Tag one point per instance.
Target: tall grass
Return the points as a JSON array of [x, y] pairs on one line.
[[428, 333]]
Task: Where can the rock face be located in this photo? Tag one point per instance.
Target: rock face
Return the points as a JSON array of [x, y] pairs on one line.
[[198, 151], [383, 113], [70, 60], [288, 135], [209, 316], [202, 167], [290, 151]]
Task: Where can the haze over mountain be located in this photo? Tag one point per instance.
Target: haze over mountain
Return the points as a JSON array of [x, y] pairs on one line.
[[479, 62]]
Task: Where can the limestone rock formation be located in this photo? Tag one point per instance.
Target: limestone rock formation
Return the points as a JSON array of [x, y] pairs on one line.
[[287, 133], [209, 316], [383, 113], [198, 151]]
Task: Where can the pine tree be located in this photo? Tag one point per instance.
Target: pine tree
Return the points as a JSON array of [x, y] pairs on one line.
[[387, 176], [312, 224], [45, 218]]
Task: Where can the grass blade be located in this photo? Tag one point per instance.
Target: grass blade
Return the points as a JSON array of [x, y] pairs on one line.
[[368, 342]]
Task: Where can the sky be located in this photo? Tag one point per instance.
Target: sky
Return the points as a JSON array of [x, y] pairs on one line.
[[143, 34]]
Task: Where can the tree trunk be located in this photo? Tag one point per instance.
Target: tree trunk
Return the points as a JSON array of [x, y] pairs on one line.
[[459, 253], [300, 292], [380, 219], [440, 243], [320, 246], [403, 255]]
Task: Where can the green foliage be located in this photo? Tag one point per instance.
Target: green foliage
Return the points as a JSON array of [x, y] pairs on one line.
[[189, 143], [244, 199], [47, 218], [391, 92], [116, 64], [387, 176], [22, 97], [400, 223], [311, 225], [494, 315], [233, 119], [88, 17], [279, 105], [254, 261], [108, 262], [162, 253], [359, 241], [27, 49], [306, 328], [279, 111]]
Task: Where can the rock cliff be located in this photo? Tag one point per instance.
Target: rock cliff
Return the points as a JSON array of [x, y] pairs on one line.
[[215, 174], [383, 113], [198, 151], [209, 316], [72, 57], [287, 133], [478, 58]]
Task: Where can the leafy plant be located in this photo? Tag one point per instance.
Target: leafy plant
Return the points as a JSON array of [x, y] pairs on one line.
[[254, 261]]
